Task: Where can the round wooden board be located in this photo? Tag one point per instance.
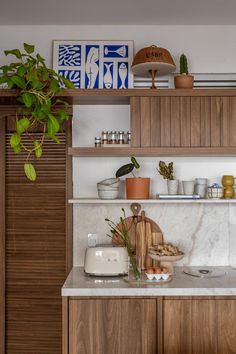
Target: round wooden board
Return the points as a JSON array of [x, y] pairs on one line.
[[132, 226]]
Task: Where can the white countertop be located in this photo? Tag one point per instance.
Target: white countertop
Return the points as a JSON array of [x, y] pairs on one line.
[[79, 284]]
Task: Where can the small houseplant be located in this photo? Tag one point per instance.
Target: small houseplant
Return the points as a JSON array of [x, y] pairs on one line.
[[122, 233], [167, 172], [136, 187], [184, 80], [37, 87]]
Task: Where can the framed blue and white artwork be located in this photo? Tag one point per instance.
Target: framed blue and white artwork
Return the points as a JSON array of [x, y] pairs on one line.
[[95, 64]]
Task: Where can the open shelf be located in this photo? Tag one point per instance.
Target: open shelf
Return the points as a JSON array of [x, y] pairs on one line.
[[120, 96], [151, 151], [149, 201]]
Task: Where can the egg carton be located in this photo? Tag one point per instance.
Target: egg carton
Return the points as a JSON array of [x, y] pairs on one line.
[[162, 276]]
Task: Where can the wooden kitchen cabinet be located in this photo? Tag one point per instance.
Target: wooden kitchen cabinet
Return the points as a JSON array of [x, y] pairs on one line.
[[199, 326], [112, 326], [161, 325]]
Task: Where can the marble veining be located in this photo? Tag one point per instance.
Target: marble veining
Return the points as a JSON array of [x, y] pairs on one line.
[[206, 233], [78, 284]]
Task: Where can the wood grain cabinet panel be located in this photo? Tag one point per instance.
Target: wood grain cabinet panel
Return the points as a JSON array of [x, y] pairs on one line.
[[199, 326], [183, 121], [117, 326]]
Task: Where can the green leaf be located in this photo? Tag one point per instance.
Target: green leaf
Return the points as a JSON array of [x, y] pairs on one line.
[[62, 116], [36, 84], [30, 172], [28, 48], [14, 52], [69, 84], [19, 81], [15, 139], [22, 125], [38, 149], [55, 138], [28, 99], [17, 149], [53, 126], [135, 162], [21, 70], [54, 85], [124, 170]]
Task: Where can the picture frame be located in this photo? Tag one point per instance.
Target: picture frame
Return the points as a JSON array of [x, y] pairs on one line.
[[93, 64]]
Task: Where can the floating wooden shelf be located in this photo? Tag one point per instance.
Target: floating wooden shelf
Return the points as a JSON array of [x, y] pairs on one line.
[[104, 96], [150, 201], [152, 151]]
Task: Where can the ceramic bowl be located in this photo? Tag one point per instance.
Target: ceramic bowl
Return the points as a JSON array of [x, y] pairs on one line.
[[108, 194], [114, 182]]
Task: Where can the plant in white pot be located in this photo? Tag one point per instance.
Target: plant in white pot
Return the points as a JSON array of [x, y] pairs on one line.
[[184, 80], [136, 187], [167, 172]]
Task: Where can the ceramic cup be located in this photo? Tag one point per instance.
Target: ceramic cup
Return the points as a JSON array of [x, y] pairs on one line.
[[201, 187], [188, 187]]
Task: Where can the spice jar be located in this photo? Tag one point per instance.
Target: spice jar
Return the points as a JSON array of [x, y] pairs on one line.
[[105, 137], [121, 137], [98, 142], [128, 138], [112, 137]]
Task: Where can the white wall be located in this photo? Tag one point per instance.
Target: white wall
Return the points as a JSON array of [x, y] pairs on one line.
[[210, 48]]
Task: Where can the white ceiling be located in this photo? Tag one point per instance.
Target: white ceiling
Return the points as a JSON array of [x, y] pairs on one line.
[[118, 12]]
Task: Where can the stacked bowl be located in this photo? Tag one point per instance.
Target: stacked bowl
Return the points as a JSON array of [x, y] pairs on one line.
[[108, 188]]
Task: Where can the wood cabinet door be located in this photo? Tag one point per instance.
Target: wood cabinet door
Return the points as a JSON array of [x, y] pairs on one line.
[[187, 122], [112, 326], [199, 326]]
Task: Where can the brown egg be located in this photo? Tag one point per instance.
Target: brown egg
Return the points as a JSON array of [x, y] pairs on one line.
[[165, 270], [149, 271], [157, 270]]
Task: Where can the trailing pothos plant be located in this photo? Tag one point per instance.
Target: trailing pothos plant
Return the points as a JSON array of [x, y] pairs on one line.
[[38, 85]]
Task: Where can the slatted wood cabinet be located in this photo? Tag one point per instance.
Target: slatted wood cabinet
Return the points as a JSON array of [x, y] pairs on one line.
[[163, 325]]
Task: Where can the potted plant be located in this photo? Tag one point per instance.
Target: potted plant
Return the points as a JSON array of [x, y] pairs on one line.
[[184, 80], [37, 87], [123, 235], [136, 187], [167, 172]]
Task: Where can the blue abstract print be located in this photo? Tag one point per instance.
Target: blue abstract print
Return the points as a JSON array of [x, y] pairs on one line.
[[73, 75], [116, 51], [69, 55]]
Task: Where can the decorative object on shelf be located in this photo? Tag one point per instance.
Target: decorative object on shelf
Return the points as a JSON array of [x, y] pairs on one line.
[[215, 191], [37, 87], [108, 188], [95, 64], [188, 187], [184, 80], [136, 187], [166, 254], [228, 183], [153, 60], [167, 172], [122, 232], [201, 187], [97, 142]]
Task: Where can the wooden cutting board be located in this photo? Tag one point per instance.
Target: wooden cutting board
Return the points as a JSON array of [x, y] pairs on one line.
[[140, 226]]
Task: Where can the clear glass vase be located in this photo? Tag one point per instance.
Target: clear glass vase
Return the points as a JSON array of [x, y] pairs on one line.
[[134, 269]]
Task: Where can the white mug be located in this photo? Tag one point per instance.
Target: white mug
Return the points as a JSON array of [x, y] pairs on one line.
[[188, 187]]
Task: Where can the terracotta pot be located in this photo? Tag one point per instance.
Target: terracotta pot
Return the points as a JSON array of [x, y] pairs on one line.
[[184, 81], [137, 188]]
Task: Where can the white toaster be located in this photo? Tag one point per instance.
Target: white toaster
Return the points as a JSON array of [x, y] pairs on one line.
[[106, 261]]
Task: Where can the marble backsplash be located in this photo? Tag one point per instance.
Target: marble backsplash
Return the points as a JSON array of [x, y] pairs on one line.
[[205, 232]]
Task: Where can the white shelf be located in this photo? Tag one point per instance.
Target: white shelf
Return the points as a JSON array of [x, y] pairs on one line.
[[150, 201]]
